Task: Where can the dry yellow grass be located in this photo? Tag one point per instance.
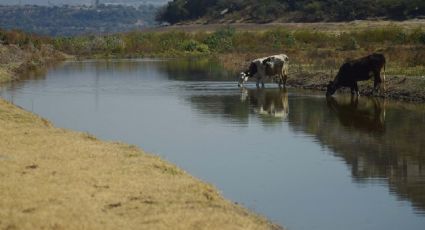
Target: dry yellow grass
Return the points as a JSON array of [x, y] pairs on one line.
[[53, 178], [4, 75], [331, 27]]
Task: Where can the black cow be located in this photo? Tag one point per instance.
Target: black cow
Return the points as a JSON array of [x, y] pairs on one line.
[[358, 70]]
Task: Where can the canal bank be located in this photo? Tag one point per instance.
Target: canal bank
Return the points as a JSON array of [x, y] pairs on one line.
[[56, 178]]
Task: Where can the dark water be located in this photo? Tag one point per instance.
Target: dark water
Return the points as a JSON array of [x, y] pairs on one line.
[[301, 160]]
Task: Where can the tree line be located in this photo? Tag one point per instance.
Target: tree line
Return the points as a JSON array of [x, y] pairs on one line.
[[291, 10], [76, 20]]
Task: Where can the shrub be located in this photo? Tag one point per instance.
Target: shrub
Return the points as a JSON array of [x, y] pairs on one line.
[[350, 44], [289, 40], [195, 46], [221, 40]]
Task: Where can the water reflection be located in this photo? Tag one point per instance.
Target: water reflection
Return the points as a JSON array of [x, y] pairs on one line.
[[30, 75], [368, 116], [270, 105], [196, 69], [356, 130]]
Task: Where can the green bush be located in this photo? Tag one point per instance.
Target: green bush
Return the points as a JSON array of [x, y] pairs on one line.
[[289, 40], [195, 46], [350, 44], [221, 40]]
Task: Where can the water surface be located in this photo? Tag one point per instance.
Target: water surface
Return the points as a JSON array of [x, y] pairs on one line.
[[300, 159]]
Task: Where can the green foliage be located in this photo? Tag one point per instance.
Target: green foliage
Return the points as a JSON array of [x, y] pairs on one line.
[[195, 46], [71, 20], [350, 44], [20, 38], [221, 40], [417, 35], [400, 37], [227, 40], [289, 40]]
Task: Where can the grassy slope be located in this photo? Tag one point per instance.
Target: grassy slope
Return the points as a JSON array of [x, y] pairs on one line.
[[54, 178], [58, 179]]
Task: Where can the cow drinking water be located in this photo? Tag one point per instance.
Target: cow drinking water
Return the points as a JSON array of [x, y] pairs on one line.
[[358, 70], [260, 68]]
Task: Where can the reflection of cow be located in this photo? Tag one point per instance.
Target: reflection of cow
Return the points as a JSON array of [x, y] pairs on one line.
[[358, 70], [273, 103], [367, 117], [274, 66]]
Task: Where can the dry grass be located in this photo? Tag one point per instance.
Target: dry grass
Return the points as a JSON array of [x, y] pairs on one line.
[[5, 75], [331, 27], [57, 179]]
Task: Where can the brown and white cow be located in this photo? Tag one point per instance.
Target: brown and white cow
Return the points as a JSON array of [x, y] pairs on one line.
[[275, 66]]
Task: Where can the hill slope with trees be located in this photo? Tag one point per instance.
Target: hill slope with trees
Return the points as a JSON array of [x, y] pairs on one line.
[[289, 10], [76, 20]]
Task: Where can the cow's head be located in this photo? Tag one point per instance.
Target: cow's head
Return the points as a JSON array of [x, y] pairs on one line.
[[330, 88], [243, 77]]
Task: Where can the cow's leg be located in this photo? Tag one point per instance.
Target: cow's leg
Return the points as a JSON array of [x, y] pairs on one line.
[[260, 79], [377, 82], [284, 78], [355, 89], [354, 101], [279, 81]]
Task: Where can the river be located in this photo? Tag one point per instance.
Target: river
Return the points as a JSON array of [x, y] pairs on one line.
[[294, 156]]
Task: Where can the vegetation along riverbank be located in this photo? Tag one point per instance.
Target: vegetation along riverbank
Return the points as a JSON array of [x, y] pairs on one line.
[[54, 178], [21, 52], [316, 50]]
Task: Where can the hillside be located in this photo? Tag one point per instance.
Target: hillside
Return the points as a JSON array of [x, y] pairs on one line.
[[76, 20], [207, 11], [81, 2]]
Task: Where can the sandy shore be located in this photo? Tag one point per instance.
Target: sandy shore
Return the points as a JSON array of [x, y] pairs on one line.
[[53, 178]]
